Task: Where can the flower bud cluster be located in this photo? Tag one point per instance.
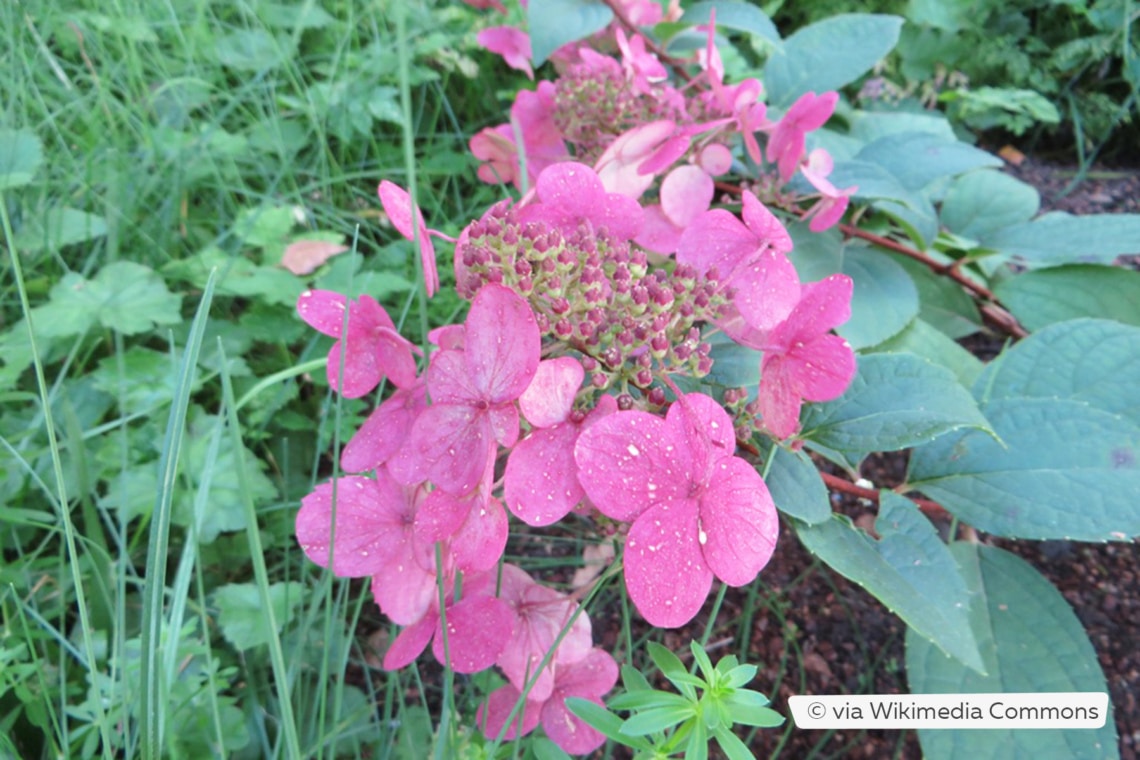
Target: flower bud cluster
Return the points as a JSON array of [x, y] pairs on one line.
[[596, 294]]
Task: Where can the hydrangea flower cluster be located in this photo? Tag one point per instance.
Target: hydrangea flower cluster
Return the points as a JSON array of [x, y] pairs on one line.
[[558, 394]]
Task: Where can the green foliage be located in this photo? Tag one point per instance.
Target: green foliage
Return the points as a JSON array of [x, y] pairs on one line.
[[665, 724]]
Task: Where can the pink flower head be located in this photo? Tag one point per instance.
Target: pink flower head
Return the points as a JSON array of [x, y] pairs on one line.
[[478, 627], [641, 67], [697, 510], [590, 678], [473, 392], [631, 161], [786, 145], [540, 484], [373, 537], [571, 194], [828, 210], [511, 43], [372, 347], [398, 206]]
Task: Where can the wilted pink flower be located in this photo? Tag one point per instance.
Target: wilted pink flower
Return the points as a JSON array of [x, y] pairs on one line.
[[828, 210], [697, 510], [511, 43], [473, 392], [590, 678], [786, 145], [372, 347]]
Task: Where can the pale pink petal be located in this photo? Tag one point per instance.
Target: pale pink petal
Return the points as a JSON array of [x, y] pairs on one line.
[[767, 291], [302, 257], [830, 212], [540, 484], [448, 336], [618, 167], [590, 678], [369, 517], [665, 155], [686, 192], [411, 641], [502, 345], [478, 629], [493, 715], [627, 463], [323, 310], [738, 522], [665, 573], [715, 159], [550, 395]]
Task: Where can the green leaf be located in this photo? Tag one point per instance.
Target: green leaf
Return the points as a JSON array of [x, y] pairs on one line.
[[750, 708], [920, 339], [1094, 361], [884, 298], [21, 154], [241, 617], [238, 276], [941, 301], [643, 700], [869, 126], [733, 14], [553, 23], [252, 50], [1059, 238], [544, 749], [734, 749], [59, 227], [147, 382], [633, 680], [605, 722], [657, 719], [908, 569], [919, 158], [796, 487], [983, 202], [124, 296], [1031, 642], [290, 17], [1063, 470], [1045, 296], [667, 662], [895, 401], [828, 54]]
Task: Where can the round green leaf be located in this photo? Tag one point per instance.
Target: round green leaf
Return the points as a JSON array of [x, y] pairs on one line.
[[884, 299], [796, 487], [1062, 470], [1059, 238], [553, 23], [908, 569], [21, 154], [59, 227], [895, 401], [733, 14], [919, 158], [242, 617], [124, 296], [1042, 297], [942, 302], [985, 201], [1030, 641]]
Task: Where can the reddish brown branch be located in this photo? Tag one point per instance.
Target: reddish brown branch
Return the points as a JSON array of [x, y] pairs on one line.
[[930, 508]]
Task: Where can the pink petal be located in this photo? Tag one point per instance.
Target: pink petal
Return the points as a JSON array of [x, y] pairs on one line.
[[550, 396], [540, 484], [453, 443], [739, 522], [302, 257], [824, 305], [778, 397], [665, 572], [323, 310], [385, 430], [658, 233], [411, 641], [405, 587], [665, 155], [439, 516], [449, 380], [718, 239], [764, 224], [686, 192], [715, 159], [590, 679], [702, 430], [481, 539], [511, 43], [502, 345], [478, 629], [823, 368], [398, 206], [369, 523], [830, 212], [504, 420], [627, 463], [767, 290], [493, 715]]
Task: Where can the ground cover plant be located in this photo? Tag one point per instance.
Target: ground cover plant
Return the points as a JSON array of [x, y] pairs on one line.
[[682, 293]]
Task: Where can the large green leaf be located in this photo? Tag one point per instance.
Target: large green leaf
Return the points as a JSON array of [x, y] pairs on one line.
[[1044, 296], [1031, 642], [1094, 361], [828, 54], [59, 227], [985, 201], [921, 339], [1059, 238], [894, 402], [734, 14], [941, 301], [796, 487], [919, 158], [908, 569], [1062, 470], [884, 298], [124, 296], [553, 23], [20, 155], [242, 618]]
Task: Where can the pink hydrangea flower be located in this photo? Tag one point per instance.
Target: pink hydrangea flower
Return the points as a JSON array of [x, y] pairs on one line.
[[533, 115], [828, 210], [697, 510], [590, 678], [373, 349], [511, 43], [474, 392], [786, 144]]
